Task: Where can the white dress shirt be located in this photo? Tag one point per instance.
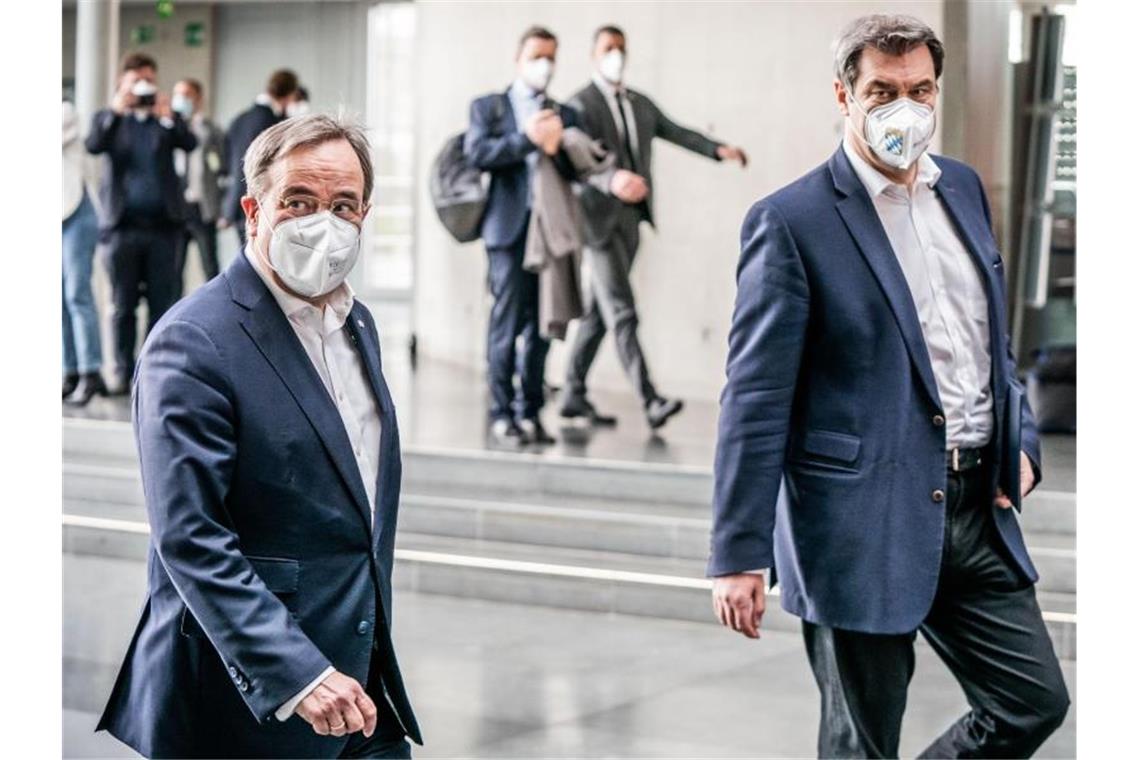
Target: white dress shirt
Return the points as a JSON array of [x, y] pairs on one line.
[[610, 92], [948, 294], [330, 348]]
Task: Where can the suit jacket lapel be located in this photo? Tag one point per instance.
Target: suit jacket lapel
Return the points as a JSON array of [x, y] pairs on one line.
[[601, 106], [367, 344], [270, 330], [858, 213], [953, 202]]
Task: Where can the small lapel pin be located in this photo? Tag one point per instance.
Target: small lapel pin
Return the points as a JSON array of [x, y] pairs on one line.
[[360, 322]]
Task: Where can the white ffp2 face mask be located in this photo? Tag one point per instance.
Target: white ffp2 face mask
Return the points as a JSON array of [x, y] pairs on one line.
[[313, 254], [537, 73], [612, 66], [898, 132]]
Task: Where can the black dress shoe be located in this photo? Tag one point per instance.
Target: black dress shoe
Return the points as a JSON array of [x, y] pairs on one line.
[[577, 406], [90, 385], [659, 410], [70, 380], [506, 433], [535, 432]]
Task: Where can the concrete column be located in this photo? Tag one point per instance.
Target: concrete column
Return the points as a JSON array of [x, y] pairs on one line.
[[96, 48], [976, 94]]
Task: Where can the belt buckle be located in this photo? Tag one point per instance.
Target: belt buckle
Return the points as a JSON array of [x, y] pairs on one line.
[[954, 459]]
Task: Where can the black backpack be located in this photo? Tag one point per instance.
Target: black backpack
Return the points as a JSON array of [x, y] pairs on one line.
[[459, 190]]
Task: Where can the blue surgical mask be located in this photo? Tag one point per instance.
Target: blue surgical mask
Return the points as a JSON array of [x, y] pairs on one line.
[[182, 105]]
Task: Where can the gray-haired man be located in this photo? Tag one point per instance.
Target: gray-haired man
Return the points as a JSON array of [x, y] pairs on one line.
[[870, 382], [271, 466]]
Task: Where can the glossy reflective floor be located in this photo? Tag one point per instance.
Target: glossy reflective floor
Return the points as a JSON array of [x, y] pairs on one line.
[[493, 679], [501, 680]]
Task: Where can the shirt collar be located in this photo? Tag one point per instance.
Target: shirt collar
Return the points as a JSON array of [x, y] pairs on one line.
[[608, 88], [523, 91], [263, 99], [339, 304], [877, 183]]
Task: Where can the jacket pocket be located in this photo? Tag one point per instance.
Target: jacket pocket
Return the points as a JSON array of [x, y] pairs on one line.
[[280, 576], [829, 448]]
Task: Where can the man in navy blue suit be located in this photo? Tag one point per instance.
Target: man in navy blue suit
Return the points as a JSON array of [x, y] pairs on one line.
[[874, 440], [507, 132], [271, 467]]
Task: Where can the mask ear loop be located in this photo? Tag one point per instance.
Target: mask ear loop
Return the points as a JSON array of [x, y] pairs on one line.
[[859, 133]]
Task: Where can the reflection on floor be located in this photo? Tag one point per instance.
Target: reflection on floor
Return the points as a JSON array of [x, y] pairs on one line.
[[491, 679]]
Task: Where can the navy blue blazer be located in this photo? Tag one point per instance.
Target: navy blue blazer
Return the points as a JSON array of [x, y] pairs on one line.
[[263, 568], [494, 144], [828, 451], [243, 130], [107, 139]]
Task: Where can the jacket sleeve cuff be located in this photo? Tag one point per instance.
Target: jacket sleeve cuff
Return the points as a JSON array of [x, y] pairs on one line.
[[286, 710]]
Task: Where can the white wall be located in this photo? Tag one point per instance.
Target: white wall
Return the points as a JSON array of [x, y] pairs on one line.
[[757, 74], [324, 42]]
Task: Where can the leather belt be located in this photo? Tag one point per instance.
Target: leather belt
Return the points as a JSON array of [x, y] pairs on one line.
[[960, 460]]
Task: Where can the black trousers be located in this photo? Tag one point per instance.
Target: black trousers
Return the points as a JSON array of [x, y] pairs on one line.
[[985, 625], [610, 306], [514, 320], [387, 741], [141, 262], [204, 234]]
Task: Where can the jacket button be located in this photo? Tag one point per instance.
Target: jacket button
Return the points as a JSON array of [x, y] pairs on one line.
[[362, 627], [938, 496], [938, 420]]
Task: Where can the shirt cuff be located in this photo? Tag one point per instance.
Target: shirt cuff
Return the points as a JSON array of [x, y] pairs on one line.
[[285, 711], [761, 571]]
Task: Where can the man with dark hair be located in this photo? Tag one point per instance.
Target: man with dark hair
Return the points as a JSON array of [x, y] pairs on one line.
[[142, 208], [199, 170], [506, 133], [268, 109], [626, 121], [870, 382]]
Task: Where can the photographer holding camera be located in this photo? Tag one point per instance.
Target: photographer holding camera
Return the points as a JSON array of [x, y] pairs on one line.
[[142, 206]]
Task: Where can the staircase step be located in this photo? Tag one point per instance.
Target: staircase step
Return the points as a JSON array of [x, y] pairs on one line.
[[554, 577], [520, 477], [632, 527]]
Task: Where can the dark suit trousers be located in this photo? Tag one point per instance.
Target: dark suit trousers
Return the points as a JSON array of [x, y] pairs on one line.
[[204, 234], [514, 320], [388, 739], [984, 624], [610, 306], [141, 262]]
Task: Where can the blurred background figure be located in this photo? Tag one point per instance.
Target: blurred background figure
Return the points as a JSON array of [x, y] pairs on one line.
[[200, 171], [507, 130], [141, 202], [268, 108], [300, 105], [82, 351], [626, 122]]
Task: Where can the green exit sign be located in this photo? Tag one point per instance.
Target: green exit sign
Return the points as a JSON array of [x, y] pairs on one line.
[[195, 34], [143, 34]]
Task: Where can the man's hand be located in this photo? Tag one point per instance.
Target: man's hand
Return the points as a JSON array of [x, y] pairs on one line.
[[222, 223], [628, 187], [162, 108], [739, 602], [338, 707], [732, 153], [123, 100], [1026, 483], [544, 129]]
